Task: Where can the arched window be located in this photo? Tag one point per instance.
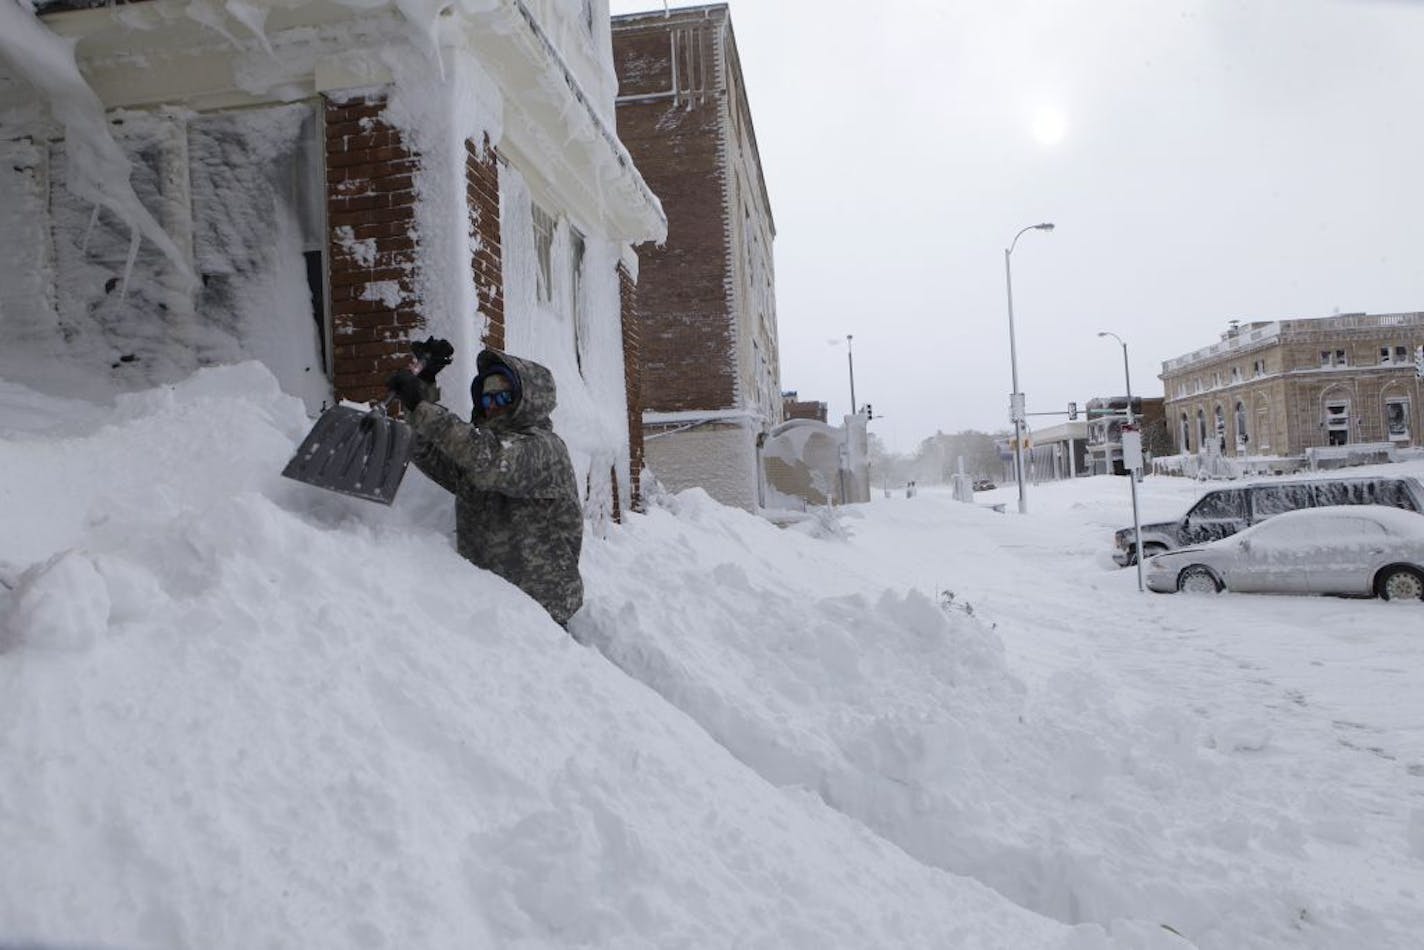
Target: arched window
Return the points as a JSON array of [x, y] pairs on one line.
[[1242, 437], [1201, 430], [1186, 434], [1220, 428]]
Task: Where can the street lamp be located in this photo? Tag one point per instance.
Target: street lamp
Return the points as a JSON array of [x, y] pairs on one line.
[[1131, 472], [1016, 399], [850, 363]]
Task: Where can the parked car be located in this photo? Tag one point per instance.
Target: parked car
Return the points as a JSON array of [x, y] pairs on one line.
[[1340, 549], [1222, 512]]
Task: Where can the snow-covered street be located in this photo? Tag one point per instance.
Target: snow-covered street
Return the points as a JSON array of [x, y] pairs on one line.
[[238, 711]]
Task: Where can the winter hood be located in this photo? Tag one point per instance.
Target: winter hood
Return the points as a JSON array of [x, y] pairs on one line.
[[534, 385]]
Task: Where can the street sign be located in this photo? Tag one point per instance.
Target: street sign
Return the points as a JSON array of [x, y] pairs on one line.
[[1016, 407], [1131, 449], [1072, 411]]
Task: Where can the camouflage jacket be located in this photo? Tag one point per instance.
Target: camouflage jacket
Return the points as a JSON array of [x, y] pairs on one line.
[[517, 508]]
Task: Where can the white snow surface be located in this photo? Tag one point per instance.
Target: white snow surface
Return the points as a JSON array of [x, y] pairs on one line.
[[237, 711]]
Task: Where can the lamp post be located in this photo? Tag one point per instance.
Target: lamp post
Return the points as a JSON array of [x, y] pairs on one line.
[[850, 364], [1016, 398], [1131, 472]]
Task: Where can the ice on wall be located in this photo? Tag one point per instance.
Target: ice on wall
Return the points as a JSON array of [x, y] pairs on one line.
[[586, 362], [257, 193], [237, 187], [98, 170]]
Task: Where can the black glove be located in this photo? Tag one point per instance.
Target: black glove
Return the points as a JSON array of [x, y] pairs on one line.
[[434, 355], [408, 387]]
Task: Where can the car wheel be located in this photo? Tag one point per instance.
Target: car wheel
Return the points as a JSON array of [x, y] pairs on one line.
[[1400, 583], [1198, 580]]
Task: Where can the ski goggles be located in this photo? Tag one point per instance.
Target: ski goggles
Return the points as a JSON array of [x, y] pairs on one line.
[[502, 400]]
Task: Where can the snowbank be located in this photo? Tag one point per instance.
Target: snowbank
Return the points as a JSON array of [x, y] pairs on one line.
[[235, 711]]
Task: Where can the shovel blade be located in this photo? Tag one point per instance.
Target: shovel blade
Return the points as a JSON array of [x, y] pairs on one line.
[[358, 453]]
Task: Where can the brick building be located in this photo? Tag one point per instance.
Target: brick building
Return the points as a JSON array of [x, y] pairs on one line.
[[327, 182], [793, 407], [710, 373], [1281, 388]]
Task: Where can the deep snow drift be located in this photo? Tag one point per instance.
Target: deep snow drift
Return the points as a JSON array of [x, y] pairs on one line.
[[236, 711]]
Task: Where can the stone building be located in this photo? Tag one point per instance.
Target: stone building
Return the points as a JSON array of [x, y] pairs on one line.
[[1285, 387], [710, 377], [314, 185]]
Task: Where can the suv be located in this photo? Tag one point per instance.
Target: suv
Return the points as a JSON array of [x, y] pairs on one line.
[[1225, 511]]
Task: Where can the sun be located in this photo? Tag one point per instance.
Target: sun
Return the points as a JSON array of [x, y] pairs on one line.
[[1049, 125]]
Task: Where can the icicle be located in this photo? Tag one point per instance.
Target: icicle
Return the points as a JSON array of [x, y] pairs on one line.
[[254, 18], [93, 220], [129, 263], [212, 18]]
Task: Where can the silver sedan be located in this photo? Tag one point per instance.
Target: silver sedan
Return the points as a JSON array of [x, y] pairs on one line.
[[1347, 549]]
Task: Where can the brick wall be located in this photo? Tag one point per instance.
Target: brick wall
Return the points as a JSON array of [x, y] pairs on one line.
[[628, 309], [369, 190], [685, 314], [482, 191]]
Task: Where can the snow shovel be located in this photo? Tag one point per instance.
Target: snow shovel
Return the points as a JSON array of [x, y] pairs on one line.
[[354, 452], [364, 453]]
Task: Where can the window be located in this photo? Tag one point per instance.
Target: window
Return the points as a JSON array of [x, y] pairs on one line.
[[1186, 434], [1242, 437], [1340, 359], [1201, 430], [1337, 423], [1401, 354], [1273, 499], [577, 250], [1396, 419], [1258, 368], [1219, 506], [1220, 428], [1384, 354], [543, 249], [1235, 374]]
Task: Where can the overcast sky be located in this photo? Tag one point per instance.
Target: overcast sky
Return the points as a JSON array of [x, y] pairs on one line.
[[1203, 161]]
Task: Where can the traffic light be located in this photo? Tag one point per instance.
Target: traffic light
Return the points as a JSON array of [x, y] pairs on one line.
[[1072, 411]]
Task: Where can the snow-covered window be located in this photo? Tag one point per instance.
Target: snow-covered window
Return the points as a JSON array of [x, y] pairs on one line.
[[1186, 434], [1201, 430], [1396, 418], [544, 251], [1337, 423], [577, 253], [1242, 436], [1401, 354], [1235, 374]]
